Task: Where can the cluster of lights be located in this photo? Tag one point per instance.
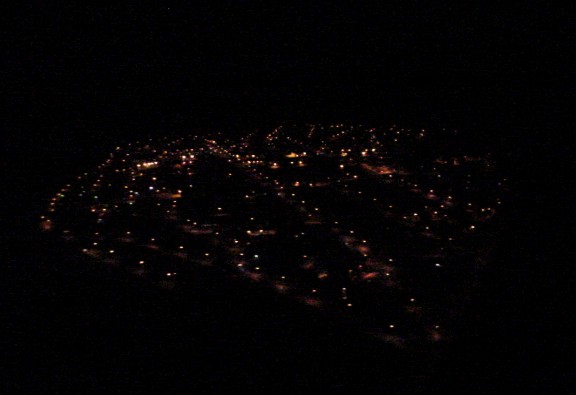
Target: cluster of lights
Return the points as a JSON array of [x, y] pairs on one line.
[[363, 162]]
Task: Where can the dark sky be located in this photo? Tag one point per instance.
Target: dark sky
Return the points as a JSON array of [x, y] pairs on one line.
[[145, 64]]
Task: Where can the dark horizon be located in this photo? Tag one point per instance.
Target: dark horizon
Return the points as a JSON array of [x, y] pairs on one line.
[[170, 65]]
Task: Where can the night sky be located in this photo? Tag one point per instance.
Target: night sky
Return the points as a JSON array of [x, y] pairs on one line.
[[79, 79], [173, 64]]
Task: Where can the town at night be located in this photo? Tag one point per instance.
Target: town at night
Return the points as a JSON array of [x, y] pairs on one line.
[[387, 228], [233, 197]]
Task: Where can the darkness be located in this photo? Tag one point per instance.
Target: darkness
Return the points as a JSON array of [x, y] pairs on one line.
[[79, 79]]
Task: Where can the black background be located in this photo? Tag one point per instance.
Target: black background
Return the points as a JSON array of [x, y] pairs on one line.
[[81, 78]]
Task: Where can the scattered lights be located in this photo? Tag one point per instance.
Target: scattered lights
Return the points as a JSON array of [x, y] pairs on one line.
[[371, 158]]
